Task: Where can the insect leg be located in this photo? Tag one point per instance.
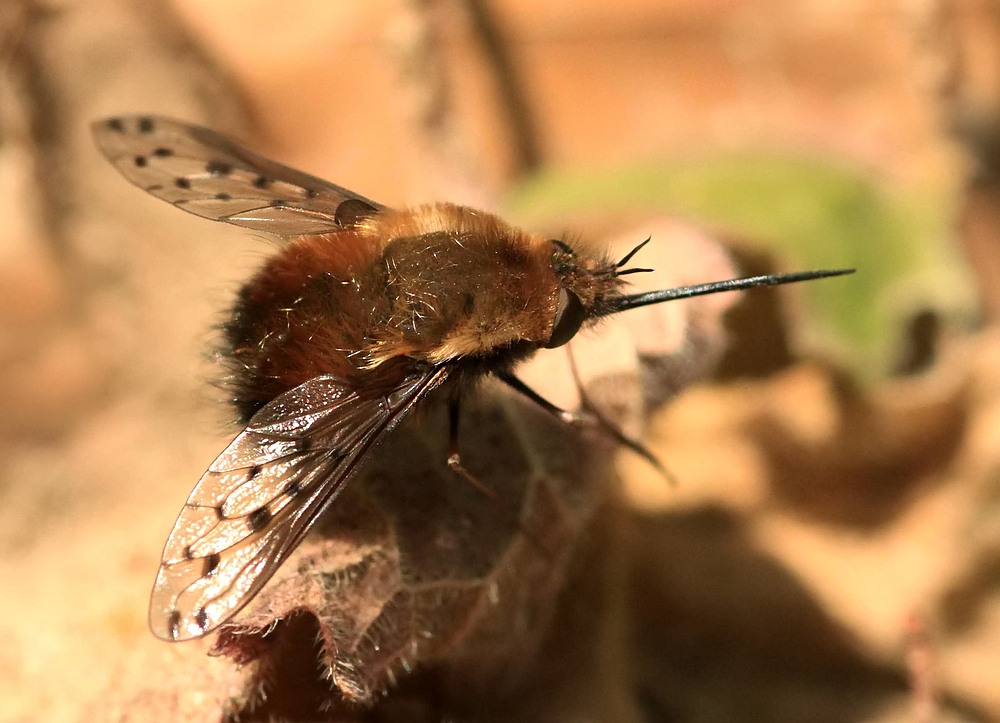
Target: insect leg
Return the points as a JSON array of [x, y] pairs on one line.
[[576, 419], [455, 463], [590, 415], [454, 459]]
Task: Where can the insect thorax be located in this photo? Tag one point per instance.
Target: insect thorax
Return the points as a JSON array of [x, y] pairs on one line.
[[464, 291]]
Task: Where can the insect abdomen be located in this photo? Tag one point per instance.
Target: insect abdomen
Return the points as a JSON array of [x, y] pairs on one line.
[[301, 316]]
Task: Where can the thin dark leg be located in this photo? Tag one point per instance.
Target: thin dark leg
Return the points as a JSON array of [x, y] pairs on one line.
[[590, 415], [612, 429], [574, 418], [455, 463], [454, 459], [623, 439]]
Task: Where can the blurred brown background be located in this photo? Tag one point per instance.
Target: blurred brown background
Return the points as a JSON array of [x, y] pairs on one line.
[[832, 550]]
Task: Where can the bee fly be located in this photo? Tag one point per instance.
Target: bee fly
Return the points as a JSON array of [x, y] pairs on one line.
[[363, 312]]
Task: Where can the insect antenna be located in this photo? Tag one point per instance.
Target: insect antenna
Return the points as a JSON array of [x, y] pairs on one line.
[[627, 257], [617, 270]]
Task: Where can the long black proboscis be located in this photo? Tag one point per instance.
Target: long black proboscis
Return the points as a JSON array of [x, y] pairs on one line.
[[633, 301]]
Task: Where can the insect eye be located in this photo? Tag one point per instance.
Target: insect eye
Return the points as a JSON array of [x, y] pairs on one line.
[[570, 315]]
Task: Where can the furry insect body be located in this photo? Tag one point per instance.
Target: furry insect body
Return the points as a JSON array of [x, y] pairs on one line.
[[361, 315], [438, 284]]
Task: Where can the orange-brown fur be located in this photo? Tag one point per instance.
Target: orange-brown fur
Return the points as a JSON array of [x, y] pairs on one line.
[[429, 286], [467, 284]]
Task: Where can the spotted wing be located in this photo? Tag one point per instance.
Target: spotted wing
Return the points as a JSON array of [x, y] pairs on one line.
[[209, 175], [258, 499]]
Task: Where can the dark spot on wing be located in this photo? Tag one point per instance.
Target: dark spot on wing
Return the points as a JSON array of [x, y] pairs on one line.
[[201, 618], [140, 161], [211, 563], [154, 187], [223, 197], [276, 202], [294, 489], [258, 519], [261, 182], [253, 472], [146, 125], [219, 168], [303, 444], [115, 124], [310, 192], [163, 153], [182, 183], [174, 624]]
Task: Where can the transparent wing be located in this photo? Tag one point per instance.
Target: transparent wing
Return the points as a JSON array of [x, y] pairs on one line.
[[211, 176], [258, 499]]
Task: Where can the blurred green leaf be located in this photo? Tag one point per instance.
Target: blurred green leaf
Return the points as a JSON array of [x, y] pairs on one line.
[[810, 212]]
